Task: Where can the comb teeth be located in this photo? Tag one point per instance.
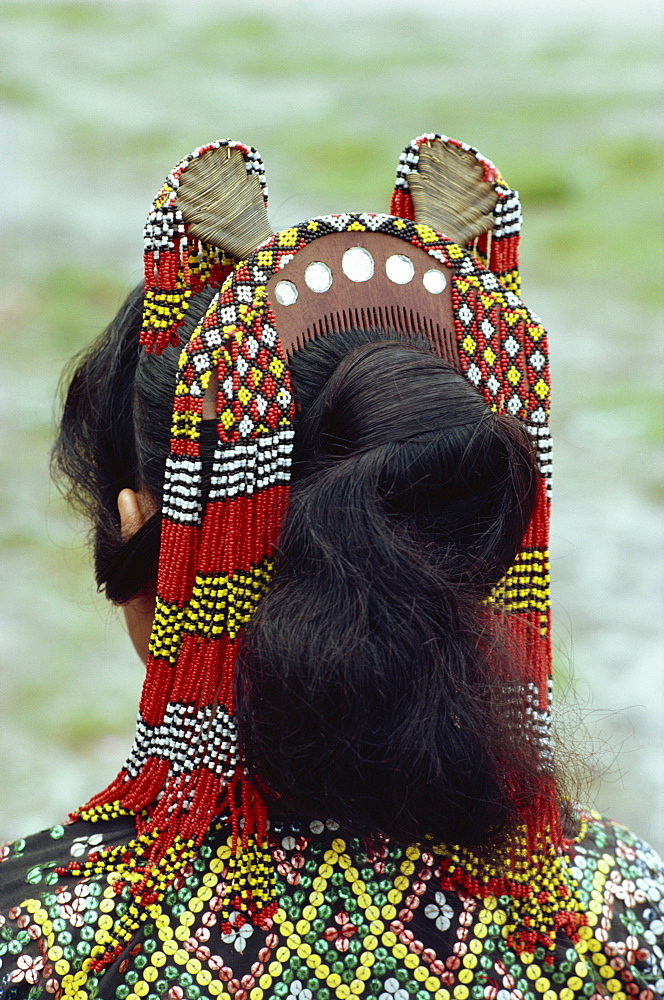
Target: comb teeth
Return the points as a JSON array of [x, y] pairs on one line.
[[395, 317]]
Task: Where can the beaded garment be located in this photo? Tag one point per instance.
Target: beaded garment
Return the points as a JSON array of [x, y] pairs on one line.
[[184, 778], [349, 924]]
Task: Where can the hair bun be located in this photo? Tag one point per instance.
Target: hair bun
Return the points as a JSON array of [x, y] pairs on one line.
[[371, 643]]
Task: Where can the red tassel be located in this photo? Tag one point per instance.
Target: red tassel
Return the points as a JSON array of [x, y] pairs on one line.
[[401, 204]]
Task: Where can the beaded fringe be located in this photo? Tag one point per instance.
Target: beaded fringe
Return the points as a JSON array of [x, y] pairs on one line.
[[543, 899], [249, 877]]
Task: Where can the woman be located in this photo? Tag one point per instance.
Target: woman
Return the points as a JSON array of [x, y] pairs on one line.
[[330, 545]]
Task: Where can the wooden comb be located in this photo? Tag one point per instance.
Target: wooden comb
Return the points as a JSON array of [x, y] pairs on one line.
[[363, 279]]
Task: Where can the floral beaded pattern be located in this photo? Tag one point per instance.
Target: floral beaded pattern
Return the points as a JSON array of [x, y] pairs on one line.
[[352, 921]]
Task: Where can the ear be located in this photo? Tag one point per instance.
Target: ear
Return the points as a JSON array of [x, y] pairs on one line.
[[134, 510]]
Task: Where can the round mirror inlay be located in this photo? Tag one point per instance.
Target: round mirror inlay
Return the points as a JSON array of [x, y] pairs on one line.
[[434, 281], [357, 264], [399, 269], [285, 293], [318, 276]]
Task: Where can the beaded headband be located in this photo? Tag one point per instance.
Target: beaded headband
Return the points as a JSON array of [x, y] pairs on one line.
[[208, 229]]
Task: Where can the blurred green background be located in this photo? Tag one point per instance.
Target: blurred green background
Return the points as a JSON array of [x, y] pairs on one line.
[[99, 100]]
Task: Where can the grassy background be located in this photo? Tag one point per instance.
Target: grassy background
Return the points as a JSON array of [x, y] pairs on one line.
[[99, 100]]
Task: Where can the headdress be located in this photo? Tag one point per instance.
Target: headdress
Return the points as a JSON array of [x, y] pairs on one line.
[[208, 228]]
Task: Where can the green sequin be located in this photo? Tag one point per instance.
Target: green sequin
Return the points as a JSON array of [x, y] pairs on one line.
[[34, 875]]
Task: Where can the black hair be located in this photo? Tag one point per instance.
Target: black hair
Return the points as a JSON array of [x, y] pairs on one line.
[[115, 433], [374, 684]]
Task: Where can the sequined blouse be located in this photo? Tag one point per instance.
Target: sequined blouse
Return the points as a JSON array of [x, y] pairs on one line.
[[352, 922]]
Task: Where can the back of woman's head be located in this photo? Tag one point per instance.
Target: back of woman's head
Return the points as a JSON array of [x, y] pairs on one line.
[[375, 684]]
